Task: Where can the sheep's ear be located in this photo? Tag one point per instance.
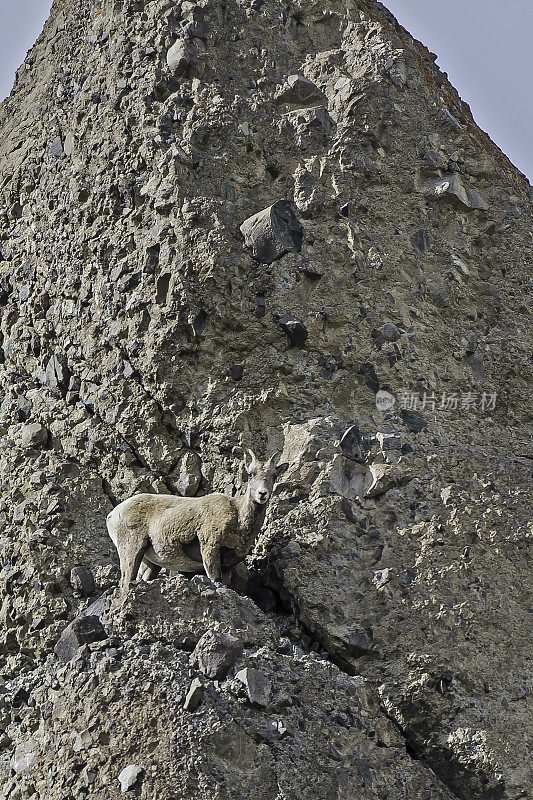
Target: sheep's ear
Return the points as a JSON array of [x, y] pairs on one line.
[[280, 468], [249, 459]]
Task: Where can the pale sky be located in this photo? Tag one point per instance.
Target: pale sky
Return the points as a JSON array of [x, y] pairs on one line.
[[21, 22], [485, 46]]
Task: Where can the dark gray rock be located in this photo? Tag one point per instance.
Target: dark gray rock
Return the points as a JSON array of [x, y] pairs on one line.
[[420, 241], [354, 445], [413, 422], [295, 330], [216, 652], [369, 376], [258, 686], [440, 294], [57, 373], [194, 695], [34, 435], [56, 147], [300, 91], [194, 23], [357, 643], [81, 631], [98, 608], [397, 71], [273, 232], [81, 580], [390, 332], [476, 200], [196, 29], [451, 187], [433, 161], [19, 697], [247, 581]]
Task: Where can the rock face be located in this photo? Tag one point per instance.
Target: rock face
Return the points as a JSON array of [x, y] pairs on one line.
[[271, 225]]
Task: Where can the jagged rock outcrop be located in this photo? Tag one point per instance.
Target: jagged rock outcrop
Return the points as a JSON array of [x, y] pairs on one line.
[[270, 224]]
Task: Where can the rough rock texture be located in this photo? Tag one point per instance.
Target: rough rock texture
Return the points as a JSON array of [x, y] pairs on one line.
[[386, 653]]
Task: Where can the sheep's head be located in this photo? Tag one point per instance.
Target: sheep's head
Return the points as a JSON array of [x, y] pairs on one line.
[[262, 476]]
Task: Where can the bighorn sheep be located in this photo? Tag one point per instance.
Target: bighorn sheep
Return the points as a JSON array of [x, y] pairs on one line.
[[189, 534]]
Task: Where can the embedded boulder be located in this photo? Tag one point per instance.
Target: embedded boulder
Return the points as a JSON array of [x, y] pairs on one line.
[[271, 233]]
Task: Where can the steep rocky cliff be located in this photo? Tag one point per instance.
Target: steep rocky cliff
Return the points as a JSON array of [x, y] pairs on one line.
[[266, 224]]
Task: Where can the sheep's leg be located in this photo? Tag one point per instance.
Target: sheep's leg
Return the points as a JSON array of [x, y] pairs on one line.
[[149, 571], [131, 556], [211, 561]]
